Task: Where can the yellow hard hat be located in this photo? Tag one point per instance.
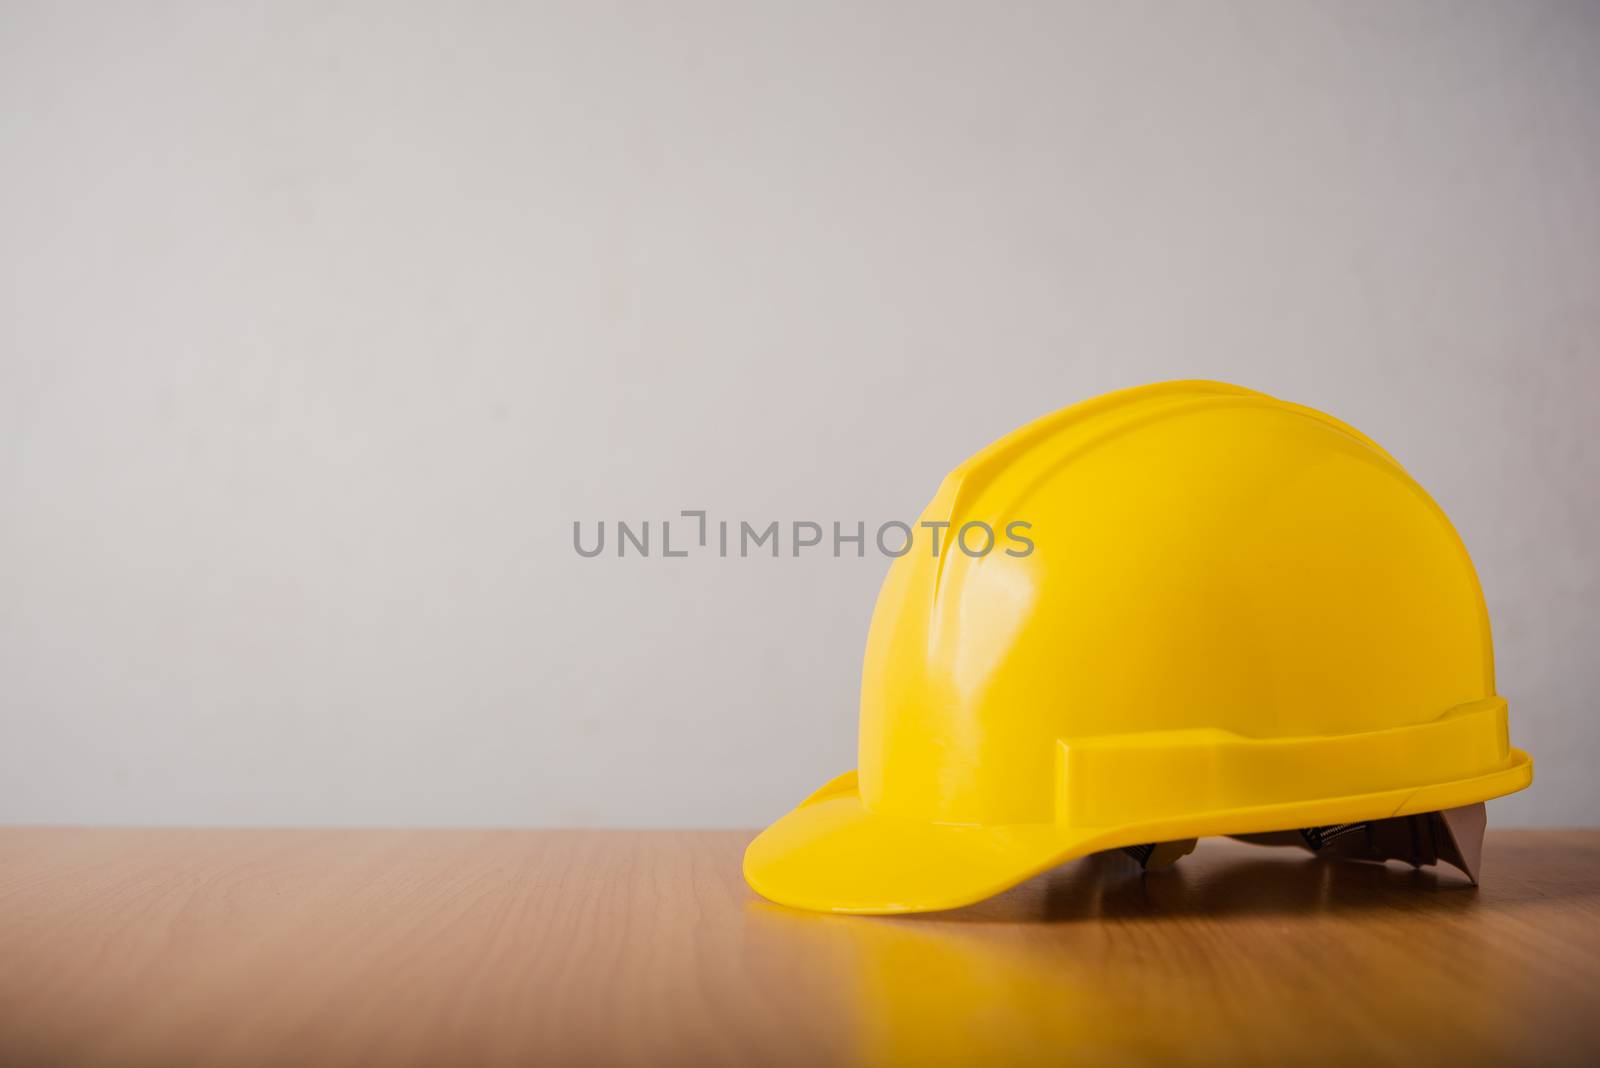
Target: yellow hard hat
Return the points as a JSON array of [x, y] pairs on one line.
[[1239, 615]]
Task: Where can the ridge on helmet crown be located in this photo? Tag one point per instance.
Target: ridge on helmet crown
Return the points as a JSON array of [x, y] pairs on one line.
[[1207, 559]]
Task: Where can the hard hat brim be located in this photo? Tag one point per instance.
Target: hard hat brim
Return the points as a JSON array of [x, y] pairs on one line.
[[832, 854]]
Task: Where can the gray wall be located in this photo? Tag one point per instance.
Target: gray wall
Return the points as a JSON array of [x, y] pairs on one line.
[[320, 324]]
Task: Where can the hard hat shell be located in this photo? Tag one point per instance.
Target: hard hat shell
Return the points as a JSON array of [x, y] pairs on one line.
[[1239, 615]]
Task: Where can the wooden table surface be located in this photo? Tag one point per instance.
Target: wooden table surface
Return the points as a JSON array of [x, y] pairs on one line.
[[328, 947]]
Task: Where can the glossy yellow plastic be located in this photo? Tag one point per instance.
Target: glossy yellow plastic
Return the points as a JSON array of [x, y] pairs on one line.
[[1239, 615]]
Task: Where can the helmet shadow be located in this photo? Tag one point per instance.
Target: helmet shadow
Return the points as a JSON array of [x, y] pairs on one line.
[[1247, 881]]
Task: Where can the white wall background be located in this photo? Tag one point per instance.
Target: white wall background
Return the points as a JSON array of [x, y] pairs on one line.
[[321, 323]]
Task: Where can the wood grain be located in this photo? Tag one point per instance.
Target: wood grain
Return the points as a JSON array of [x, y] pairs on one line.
[[325, 947]]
